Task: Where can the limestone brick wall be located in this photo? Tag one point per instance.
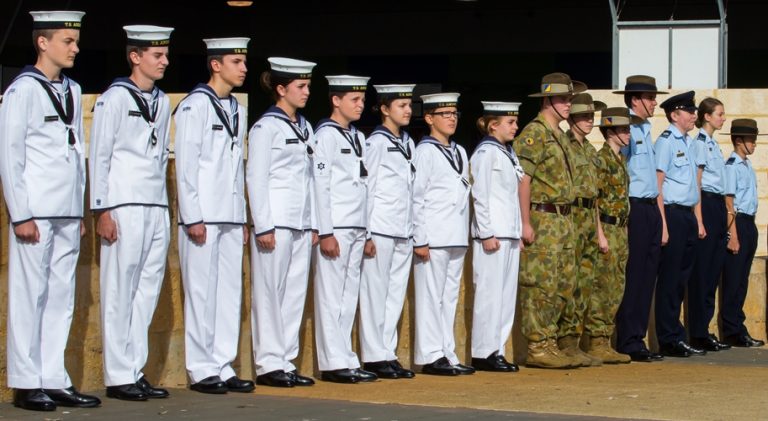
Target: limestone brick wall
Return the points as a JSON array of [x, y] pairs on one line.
[[166, 360]]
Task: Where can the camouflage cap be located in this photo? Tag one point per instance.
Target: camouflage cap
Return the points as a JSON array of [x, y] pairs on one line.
[[559, 84]]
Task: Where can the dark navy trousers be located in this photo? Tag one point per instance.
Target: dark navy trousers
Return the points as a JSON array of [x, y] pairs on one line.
[[644, 237], [710, 258], [736, 278]]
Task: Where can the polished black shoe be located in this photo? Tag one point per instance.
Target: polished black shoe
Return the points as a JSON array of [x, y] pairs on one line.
[[277, 378], [236, 384], [643, 356], [723, 346], [494, 362], [126, 392], [743, 341], [382, 369], [464, 369], [151, 391], [710, 343], [678, 349], [694, 350], [402, 373], [33, 399], [440, 367], [300, 380], [71, 397], [344, 375], [365, 376], [213, 385]]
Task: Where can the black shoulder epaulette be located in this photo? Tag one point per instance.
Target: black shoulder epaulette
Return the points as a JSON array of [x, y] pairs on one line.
[[665, 133], [730, 161], [702, 137]]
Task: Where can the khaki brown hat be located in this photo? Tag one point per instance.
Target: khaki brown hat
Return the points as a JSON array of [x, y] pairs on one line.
[[583, 104], [639, 84], [744, 127], [617, 117], [559, 84]]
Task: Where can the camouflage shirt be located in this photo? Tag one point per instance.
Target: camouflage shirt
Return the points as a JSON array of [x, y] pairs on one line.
[[544, 157], [584, 165], [613, 183]]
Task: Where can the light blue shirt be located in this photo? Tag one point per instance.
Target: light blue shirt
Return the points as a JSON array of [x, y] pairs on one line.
[[713, 178], [678, 158], [641, 161], [741, 183]]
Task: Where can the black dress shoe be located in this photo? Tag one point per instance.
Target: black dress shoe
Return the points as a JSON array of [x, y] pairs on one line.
[[382, 369], [126, 392], [723, 345], [365, 376], [494, 362], [642, 355], [464, 369], [277, 378], [33, 399], [440, 367], [710, 343], [743, 341], [235, 384], [213, 385], [678, 349], [300, 380], [694, 350], [344, 375], [151, 391], [402, 373], [71, 397]]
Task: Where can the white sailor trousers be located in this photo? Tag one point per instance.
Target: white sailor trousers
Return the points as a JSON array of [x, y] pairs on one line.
[[337, 288], [279, 279], [131, 276], [495, 280], [382, 293], [213, 279], [41, 299], [436, 283]]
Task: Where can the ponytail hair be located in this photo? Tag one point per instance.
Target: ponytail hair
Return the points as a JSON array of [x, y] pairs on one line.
[[483, 123], [270, 82]]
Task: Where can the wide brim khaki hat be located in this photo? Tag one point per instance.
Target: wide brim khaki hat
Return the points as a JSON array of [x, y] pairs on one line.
[[640, 84], [744, 127], [584, 104], [559, 84], [617, 117]]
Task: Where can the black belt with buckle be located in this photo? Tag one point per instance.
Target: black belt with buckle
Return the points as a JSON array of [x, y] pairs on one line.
[[710, 195], [613, 220], [564, 210], [583, 202], [745, 216], [646, 200], [680, 207]]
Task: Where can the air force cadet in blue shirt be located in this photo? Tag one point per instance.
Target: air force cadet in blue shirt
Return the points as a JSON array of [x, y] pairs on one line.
[[676, 166], [644, 227]]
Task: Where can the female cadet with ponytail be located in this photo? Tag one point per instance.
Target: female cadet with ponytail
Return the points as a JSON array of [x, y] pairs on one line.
[[280, 190], [496, 230]]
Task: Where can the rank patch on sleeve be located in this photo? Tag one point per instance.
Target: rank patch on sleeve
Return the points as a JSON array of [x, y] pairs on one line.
[[529, 141]]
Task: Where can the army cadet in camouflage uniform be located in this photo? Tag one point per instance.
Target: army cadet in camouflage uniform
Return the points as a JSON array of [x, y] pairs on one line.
[[613, 208], [547, 263], [583, 160]]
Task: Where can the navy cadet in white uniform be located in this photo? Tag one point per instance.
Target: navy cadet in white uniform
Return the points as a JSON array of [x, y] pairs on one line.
[[42, 165], [677, 162], [496, 229], [281, 194], [711, 217], [340, 188], [128, 161], [440, 236], [741, 201], [209, 142], [389, 248]]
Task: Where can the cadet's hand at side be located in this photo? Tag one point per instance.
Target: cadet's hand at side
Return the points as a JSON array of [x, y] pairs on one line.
[[370, 249], [106, 227], [27, 232], [330, 247], [266, 241], [528, 235], [422, 252], [491, 244], [197, 233], [245, 234]]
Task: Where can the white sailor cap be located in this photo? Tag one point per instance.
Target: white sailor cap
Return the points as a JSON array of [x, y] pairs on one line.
[[394, 91], [347, 83], [222, 46], [291, 68], [500, 108], [148, 35], [433, 101], [58, 19]]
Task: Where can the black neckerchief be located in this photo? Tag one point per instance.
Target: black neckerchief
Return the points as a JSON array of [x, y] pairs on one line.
[[403, 146], [507, 148], [65, 114], [352, 138], [449, 153], [300, 129], [233, 127], [148, 114]]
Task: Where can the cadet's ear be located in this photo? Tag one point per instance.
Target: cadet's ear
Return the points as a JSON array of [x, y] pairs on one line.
[[428, 118], [281, 90], [134, 56], [215, 65]]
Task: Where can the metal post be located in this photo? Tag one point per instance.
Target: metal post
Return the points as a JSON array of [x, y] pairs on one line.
[[615, 30]]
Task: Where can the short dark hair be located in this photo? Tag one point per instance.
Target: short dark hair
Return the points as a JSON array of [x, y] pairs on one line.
[[45, 33], [133, 49], [219, 58], [628, 98]]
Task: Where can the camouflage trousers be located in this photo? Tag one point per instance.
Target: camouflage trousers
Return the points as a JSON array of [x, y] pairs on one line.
[[608, 289], [585, 252], [547, 270]]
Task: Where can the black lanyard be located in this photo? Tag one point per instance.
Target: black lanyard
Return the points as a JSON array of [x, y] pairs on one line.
[[233, 128], [404, 151], [353, 141], [303, 135], [65, 115], [457, 164], [149, 115], [507, 149]]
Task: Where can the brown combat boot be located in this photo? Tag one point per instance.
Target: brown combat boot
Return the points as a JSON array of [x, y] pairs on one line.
[[546, 354], [600, 347], [569, 345]]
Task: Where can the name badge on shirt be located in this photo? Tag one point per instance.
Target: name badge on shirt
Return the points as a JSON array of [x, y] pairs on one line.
[[393, 149], [291, 141], [50, 118], [134, 113], [217, 127], [346, 151], [680, 154], [639, 142]]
